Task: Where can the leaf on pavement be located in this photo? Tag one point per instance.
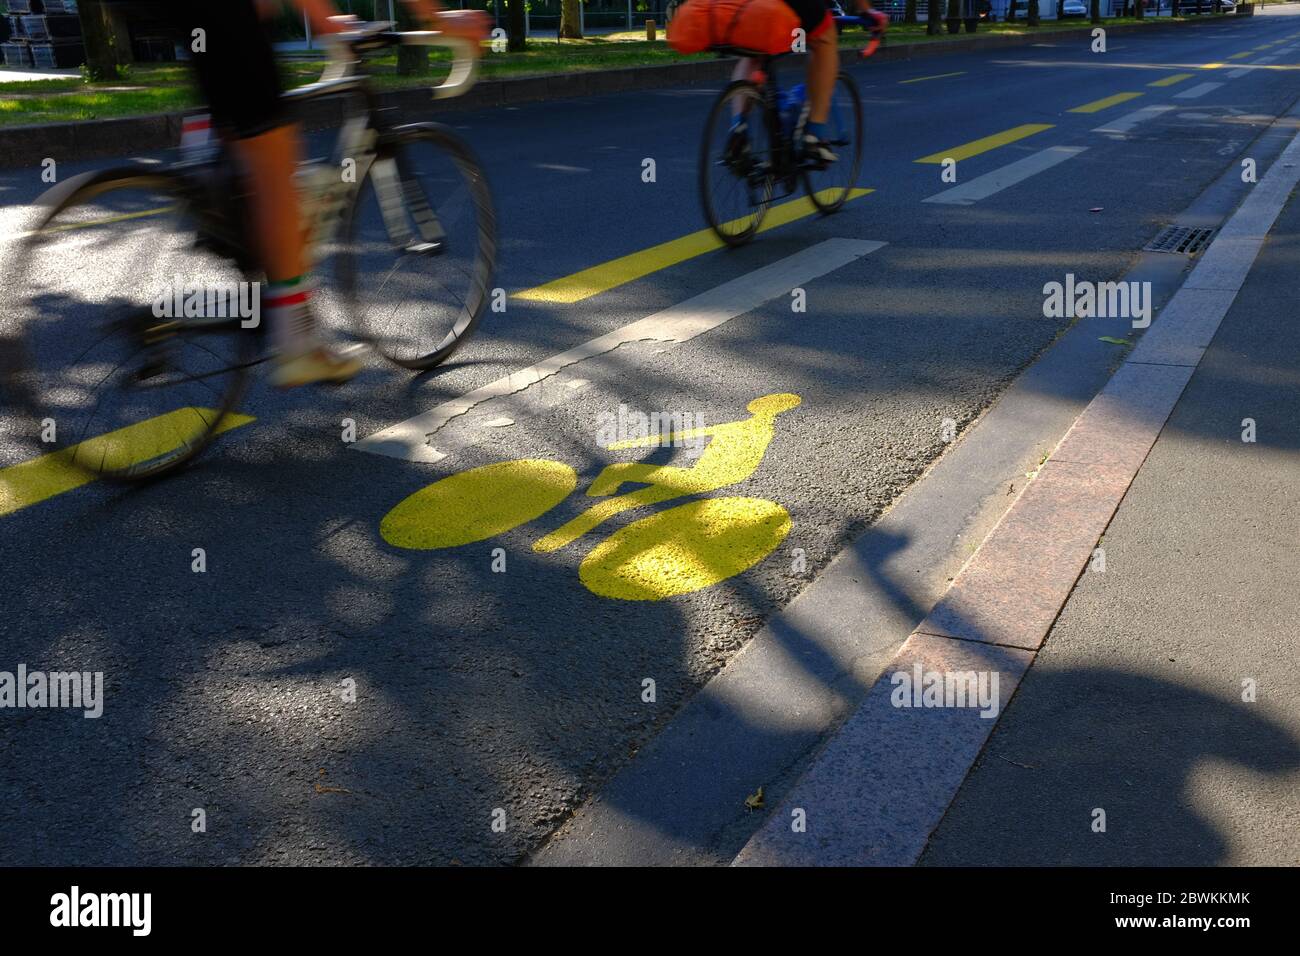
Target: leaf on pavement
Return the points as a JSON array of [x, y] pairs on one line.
[[1114, 341], [321, 789], [755, 800]]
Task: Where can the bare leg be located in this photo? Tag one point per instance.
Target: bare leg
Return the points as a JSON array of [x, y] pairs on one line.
[[269, 161], [823, 67]]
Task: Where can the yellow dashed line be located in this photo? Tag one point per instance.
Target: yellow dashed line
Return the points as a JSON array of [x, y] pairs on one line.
[[32, 482], [616, 272], [974, 148], [1236, 56], [1171, 80], [937, 76], [1096, 106]]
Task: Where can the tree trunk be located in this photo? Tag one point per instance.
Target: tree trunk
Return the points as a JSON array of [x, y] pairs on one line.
[[570, 20], [909, 11], [1095, 9], [103, 53], [1139, 9], [516, 29], [412, 60], [934, 17], [1031, 12]]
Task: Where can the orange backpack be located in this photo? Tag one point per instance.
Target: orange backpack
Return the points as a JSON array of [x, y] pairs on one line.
[[762, 26]]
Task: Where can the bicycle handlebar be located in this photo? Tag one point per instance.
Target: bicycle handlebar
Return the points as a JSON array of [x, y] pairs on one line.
[[876, 22], [345, 47], [464, 68]]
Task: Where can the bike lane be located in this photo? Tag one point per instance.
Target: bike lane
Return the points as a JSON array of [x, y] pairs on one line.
[[478, 689]]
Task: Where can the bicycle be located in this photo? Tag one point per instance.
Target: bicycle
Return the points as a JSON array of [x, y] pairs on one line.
[[751, 166], [676, 551], [403, 217]]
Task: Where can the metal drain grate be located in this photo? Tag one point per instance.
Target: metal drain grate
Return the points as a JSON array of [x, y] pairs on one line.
[[1180, 240]]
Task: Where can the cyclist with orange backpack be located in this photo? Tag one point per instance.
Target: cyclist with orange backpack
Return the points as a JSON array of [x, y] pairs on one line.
[[817, 21], [770, 27]]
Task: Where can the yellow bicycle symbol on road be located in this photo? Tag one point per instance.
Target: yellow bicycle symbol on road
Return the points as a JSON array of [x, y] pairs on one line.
[[676, 551]]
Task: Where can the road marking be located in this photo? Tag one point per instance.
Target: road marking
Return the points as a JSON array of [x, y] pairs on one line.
[[683, 549], [91, 223], [34, 481], [411, 439], [975, 147], [984, 186], [1196, 92], [1235, 74], [637, 265], [1239, 56], [1171, 80], [1096, 106], [1126, 123], [937, 76], [1213, 66]]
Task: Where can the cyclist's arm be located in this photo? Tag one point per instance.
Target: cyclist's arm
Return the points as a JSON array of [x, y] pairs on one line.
[[426, 11], [471, 24], [865, 8], [323, 15]]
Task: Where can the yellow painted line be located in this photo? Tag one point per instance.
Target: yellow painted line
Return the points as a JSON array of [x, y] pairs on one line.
[[967, 150], [32, 482], [1096, 106], [108, 220], [1236, 56], [638, 265], [937, 76], [1213, 66], [1171, 80]]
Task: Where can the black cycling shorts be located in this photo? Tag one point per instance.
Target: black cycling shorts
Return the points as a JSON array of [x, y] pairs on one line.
[[813, 15], [236, 69]]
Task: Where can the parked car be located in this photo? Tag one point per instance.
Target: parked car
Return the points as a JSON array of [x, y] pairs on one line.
[[1074, 8]]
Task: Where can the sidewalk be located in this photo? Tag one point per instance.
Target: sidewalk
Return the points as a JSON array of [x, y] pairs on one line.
[[1161, 700], [1134, 705]]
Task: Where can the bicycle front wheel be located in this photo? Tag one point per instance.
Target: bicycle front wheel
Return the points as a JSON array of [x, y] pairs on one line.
[[418, 247], [736, 163], [105, 364], [830, 186]]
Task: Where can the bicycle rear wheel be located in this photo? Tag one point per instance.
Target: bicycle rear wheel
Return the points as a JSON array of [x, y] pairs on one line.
[[830, 186], [99, 368], [418, 249], [736, 167]]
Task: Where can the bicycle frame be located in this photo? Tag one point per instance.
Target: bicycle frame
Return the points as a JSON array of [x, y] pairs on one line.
[[787, 169], [359, 140]]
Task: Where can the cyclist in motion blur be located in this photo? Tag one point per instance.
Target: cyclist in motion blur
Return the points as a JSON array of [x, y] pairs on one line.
[[238, 78], [817, 21]]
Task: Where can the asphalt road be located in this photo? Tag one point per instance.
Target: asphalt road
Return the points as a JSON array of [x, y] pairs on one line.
[[523, 690]]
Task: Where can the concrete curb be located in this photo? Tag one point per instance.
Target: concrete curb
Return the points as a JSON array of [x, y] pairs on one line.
[[22, 146], [884, 782]]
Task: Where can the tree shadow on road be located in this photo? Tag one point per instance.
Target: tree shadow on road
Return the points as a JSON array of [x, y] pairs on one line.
[[1175, 768]]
